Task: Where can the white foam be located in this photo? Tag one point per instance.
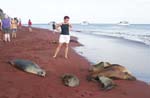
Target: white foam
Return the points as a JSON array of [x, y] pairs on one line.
[[143, 38]]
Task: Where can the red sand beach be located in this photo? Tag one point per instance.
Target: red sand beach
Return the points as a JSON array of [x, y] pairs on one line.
[[36, 46]]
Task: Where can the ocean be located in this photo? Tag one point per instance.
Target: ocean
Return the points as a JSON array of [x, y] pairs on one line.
[[126, 45]]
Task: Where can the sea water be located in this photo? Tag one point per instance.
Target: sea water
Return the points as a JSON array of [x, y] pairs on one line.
[[126, 45]]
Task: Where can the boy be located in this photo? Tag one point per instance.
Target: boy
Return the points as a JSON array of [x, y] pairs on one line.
[[14, 27], [64, 36], [30, 25]]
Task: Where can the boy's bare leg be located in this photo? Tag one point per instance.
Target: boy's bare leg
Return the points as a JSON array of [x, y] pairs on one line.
[[66, 51], [57, 50], [8, 37], [15, 35], [30, 29], [5, 37]]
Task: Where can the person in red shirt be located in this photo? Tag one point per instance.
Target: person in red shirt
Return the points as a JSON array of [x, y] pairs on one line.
[[20, 24], [30, 25]]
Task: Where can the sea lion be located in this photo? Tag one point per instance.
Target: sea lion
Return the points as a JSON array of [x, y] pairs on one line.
[[28, 66], [98, 67], [70, 80], [106, 82], [112, 71]]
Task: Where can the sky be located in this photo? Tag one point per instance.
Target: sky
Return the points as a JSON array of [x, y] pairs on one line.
[[93, 11]]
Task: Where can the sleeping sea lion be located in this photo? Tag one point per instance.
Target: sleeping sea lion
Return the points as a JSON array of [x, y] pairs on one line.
[[28, 66], [112, 71], [70, 80]]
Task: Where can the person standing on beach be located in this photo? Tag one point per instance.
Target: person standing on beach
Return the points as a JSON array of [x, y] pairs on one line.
[[0, 30], [20, 24], [30, 25], [54, 27], [0, 23], [54, 31], [14, 27], [64, 36], [6, 24]]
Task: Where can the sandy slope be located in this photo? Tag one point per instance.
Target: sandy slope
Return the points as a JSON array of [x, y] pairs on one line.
[[36, 46]]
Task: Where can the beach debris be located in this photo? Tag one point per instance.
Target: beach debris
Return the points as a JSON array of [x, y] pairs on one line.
[[107, 83], [28, 66], [54, 42], [74, 41], [70, 80], [112, 71]]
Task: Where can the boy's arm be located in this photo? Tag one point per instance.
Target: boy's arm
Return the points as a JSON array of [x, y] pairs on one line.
[[70, 27]]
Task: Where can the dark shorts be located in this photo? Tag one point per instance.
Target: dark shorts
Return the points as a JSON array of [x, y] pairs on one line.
[[14, 30], [6, 30]]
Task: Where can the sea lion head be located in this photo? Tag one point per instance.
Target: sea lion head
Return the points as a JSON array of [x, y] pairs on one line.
[[128, 76], [41, 73], [70, 80]]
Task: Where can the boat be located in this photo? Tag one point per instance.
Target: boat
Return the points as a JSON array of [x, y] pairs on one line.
[[124, 23], [84, 23]]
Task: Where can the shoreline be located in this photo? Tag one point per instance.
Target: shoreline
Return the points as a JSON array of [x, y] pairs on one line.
[[125, 52], [36, 46]]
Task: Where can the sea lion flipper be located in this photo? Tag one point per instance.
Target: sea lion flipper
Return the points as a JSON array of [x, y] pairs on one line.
[[11, 62], [107, 83], [109, 87]]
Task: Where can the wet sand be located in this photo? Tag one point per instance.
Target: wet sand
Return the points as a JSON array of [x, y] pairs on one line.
[[36, 46]]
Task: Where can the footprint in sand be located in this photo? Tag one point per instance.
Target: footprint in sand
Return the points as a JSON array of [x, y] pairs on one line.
[[85, 93]]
